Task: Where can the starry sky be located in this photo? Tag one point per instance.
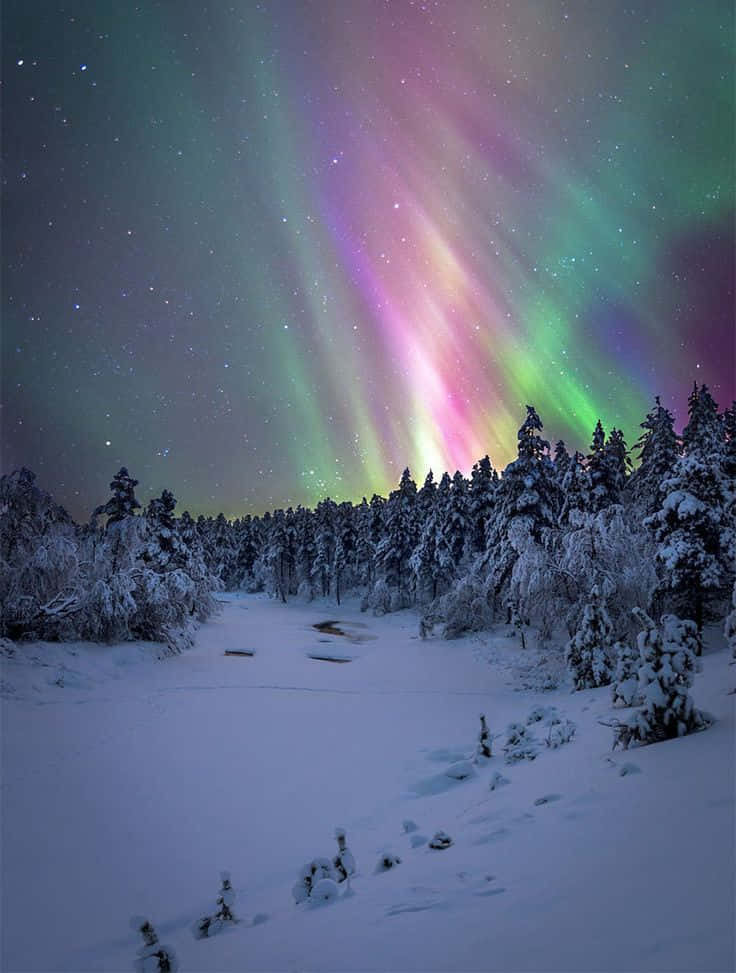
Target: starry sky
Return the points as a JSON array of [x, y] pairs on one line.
[[261, 253]]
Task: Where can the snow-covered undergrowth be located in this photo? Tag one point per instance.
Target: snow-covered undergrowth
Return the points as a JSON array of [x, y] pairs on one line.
[[129, 784]]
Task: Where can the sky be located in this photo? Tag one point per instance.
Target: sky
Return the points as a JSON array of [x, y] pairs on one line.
[[263, 253]]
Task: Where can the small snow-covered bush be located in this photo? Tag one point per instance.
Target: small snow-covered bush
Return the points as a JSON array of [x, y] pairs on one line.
[[324, 891], [386, 862], [466, 608], [559, 733], [153, 956], [460, 770], [312, 873], [520, 743], [440, 841]]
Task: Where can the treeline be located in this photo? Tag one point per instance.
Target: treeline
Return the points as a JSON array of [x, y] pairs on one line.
[[119, 577], [526, 546]]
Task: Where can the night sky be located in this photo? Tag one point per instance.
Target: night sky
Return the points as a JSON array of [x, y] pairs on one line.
[[261, 253]]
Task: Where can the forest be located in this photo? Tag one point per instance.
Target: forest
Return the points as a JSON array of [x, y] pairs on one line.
[[554, 543]]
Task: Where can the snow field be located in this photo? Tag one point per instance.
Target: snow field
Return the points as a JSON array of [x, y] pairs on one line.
[[128, 789]]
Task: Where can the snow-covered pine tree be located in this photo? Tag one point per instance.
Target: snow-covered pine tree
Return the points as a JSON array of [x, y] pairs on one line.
[[576, 488], [561, 460], [527, 498], [590, 650], [211, 924], [608, 465], [481, 498], [344, 863], [426, 498], [688, 526], [625, 683], [364, 548], [618, 465], [278, 556], [345, 574], [658, 449], [153, 957], [324, 540], [483, 749], [399, 537], [665, 676], [123, 502], [304, 552]]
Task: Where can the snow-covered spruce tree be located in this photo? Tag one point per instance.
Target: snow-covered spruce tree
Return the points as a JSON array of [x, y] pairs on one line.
[[625, 685], [576, 489], [590, 650], [658, 449], [481, 499], [363, 546], [688, 526], [343, 862], [278, 556], [324, 539], [665, 676], [123, 502], [441, 541], [528, 496], [153, 956], [211, 924], [345, 568], [304, 552], [483, 749], [608, 465], [247, 548], [562, 460], [399, 537]]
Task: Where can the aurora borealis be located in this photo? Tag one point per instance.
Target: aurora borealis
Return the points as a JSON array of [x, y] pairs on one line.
[[270, 252]]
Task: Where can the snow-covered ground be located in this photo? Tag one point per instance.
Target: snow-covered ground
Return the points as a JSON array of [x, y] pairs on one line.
[[130, 783]]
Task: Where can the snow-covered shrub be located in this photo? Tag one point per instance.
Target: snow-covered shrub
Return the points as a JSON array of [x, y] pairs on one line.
[[609, 550], [520, 744], [378, 599], [460, 770], [466, 608], [497, 780], [312, 873], [324, 891], [559, 733], [386, 862], [665, 675], [625, 684], [153, 956], [343, 862], [589, 650], [209, 925], [440, 841]]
